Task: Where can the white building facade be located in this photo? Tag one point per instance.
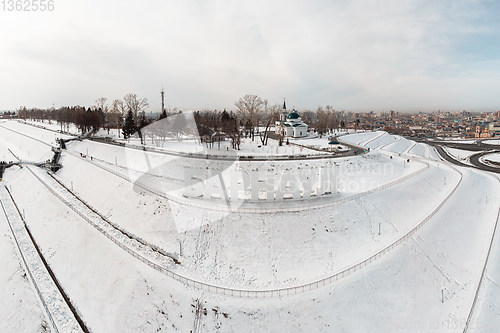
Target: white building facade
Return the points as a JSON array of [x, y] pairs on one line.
[[290, 125]]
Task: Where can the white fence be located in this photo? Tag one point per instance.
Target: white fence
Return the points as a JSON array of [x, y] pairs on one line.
[[277, 208], [272, 292], [279, 291]]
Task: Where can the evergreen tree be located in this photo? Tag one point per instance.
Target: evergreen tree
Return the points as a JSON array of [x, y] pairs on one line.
[[129, 126], [143, 123], [163, 115]]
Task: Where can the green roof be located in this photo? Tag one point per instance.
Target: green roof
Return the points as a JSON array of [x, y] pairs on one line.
[[293, 115]]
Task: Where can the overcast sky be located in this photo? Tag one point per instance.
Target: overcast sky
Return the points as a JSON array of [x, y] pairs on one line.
[[352, 55]]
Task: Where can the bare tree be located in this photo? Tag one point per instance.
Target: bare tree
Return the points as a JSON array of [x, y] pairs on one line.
[[117, 113], [272, 114], [322, 122], [100, 105], [250, 107], [134, 104]]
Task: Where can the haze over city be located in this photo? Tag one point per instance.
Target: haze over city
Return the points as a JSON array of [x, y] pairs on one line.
[[357, 56]]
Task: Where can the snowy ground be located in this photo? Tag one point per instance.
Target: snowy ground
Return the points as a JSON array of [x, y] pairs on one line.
[[362, 138], [460, 154], [458, 140], [485, 318], [248, 147], [426, 151], [20, 309], [317, 142], [400, 291], [492, 141], [493, 157]]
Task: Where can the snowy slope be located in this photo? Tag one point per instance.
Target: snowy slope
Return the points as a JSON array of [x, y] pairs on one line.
[[20, 308], [400, 291], [461, 155], [493, 157], [361, 138], [485, 317]]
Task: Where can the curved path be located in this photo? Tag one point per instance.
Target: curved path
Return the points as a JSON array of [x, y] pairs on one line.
[[447, 157], [297, 206], [277, 291], [476, 161], [288, 290]]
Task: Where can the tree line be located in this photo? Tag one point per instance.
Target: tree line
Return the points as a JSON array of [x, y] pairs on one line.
[[99, 115], [253, 117]]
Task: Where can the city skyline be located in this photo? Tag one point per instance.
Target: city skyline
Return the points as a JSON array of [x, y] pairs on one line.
[[357, 56]]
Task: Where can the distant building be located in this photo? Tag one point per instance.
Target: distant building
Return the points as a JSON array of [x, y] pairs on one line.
[[290, 125], [213, 137], [482, 132], [494, 128]]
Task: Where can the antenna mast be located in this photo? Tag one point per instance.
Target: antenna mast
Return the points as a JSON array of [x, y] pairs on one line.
[[162, 100]]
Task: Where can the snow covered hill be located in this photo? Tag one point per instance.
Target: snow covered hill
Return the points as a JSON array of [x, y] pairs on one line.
[[401, 246]]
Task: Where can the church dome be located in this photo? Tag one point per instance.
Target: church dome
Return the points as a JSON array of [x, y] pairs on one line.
[[293, 115]]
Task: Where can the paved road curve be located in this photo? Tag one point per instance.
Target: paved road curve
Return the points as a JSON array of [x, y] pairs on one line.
[[474, 159]]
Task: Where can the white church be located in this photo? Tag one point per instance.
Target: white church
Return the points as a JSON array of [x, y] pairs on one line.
[[290, 125]]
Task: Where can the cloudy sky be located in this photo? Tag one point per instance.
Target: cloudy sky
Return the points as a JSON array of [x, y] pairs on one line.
[[352, 55]]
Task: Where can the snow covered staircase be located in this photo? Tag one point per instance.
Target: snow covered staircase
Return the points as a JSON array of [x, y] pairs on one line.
[[53, 303]]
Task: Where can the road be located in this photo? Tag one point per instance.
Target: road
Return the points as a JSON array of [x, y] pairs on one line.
[[474, 159]]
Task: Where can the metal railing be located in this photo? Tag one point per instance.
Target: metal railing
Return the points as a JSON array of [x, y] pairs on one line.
[[469, 317], [248, 210], [32, 279], [152, 248], [212, 205], [257, 292], [270, 292], [126, 233]]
